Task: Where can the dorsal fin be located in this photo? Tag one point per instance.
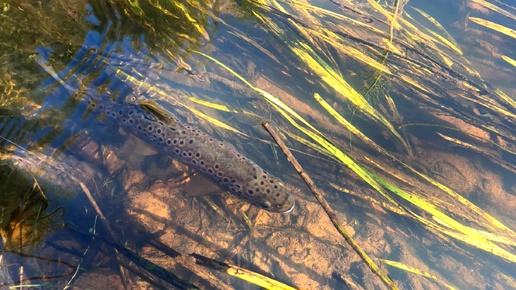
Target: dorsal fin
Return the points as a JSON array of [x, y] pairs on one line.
[[158, 111]]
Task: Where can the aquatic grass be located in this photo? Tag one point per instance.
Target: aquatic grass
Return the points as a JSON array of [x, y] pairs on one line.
[[242, 273], [471, 236], [434, 59], [446, 39], [407, 268], [303, 48], [496, 8], [459, 231], [509, 60]]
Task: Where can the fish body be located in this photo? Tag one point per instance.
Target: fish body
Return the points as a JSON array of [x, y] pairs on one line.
[[218, 160]]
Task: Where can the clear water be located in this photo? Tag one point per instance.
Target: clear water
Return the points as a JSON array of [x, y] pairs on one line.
[[56, 152]]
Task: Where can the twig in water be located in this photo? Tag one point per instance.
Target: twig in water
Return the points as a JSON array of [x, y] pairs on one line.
[[331, 214], [105, 223]]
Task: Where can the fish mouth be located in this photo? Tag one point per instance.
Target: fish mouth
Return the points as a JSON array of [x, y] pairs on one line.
[[289, 210], [276, 209]]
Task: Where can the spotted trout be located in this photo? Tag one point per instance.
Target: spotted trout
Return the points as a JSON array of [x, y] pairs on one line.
[[218, 160]]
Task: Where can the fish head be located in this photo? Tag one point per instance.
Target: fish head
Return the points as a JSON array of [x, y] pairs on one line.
[[269, 194], [278, 207]]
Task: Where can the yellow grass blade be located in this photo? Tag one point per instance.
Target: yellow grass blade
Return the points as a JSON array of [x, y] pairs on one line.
[[346, 124], [495, 8], [447, 39], [494, 26], [219, 107], [402, 266], [509, 60], [241, 273], [215, 121]]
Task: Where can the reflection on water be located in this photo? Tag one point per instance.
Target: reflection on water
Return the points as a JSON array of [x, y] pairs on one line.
[[24, 218], [84, 203]]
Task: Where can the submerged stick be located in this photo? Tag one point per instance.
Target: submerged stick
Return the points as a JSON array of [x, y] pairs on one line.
[[326, 207], [123, 274]]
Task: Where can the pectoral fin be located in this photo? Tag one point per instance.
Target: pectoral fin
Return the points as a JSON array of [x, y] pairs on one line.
[[158, 111]]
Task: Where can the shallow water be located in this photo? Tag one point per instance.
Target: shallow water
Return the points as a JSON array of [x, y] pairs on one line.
[[73, 169]]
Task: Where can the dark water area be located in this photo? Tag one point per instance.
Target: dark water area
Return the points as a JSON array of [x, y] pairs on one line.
[[420, 170]]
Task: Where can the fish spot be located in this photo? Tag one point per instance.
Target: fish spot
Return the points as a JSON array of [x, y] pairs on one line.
[[158, 131], [140, 127], [154, 136], [113, 114], [124, 120], [194, 161], [221, 144], [210, 171], [172, 128], [255, 177], [233, 180], [275, 187], [262, 182], [190, 154], [149, 128], [225, 179], [160, 139], [277, 194], [271, 181], [120, 112], [184, 154], [108, 112], [169, 141], [268, 191], [131, 112], [101, 107], [201, 162], [219, 174], [183, 132], [250, 192], [131, 121], [181, 142], [177, 151], [210, 139], [238, 186], [257, 189], [216, 166], [197, 154], [264, 176], [175, 141], [239, 192], [191, 141]]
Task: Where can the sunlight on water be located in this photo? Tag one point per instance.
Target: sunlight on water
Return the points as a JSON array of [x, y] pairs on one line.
[[130, 139]]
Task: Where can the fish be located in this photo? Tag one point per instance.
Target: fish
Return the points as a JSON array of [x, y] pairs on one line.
[[218, 160]]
